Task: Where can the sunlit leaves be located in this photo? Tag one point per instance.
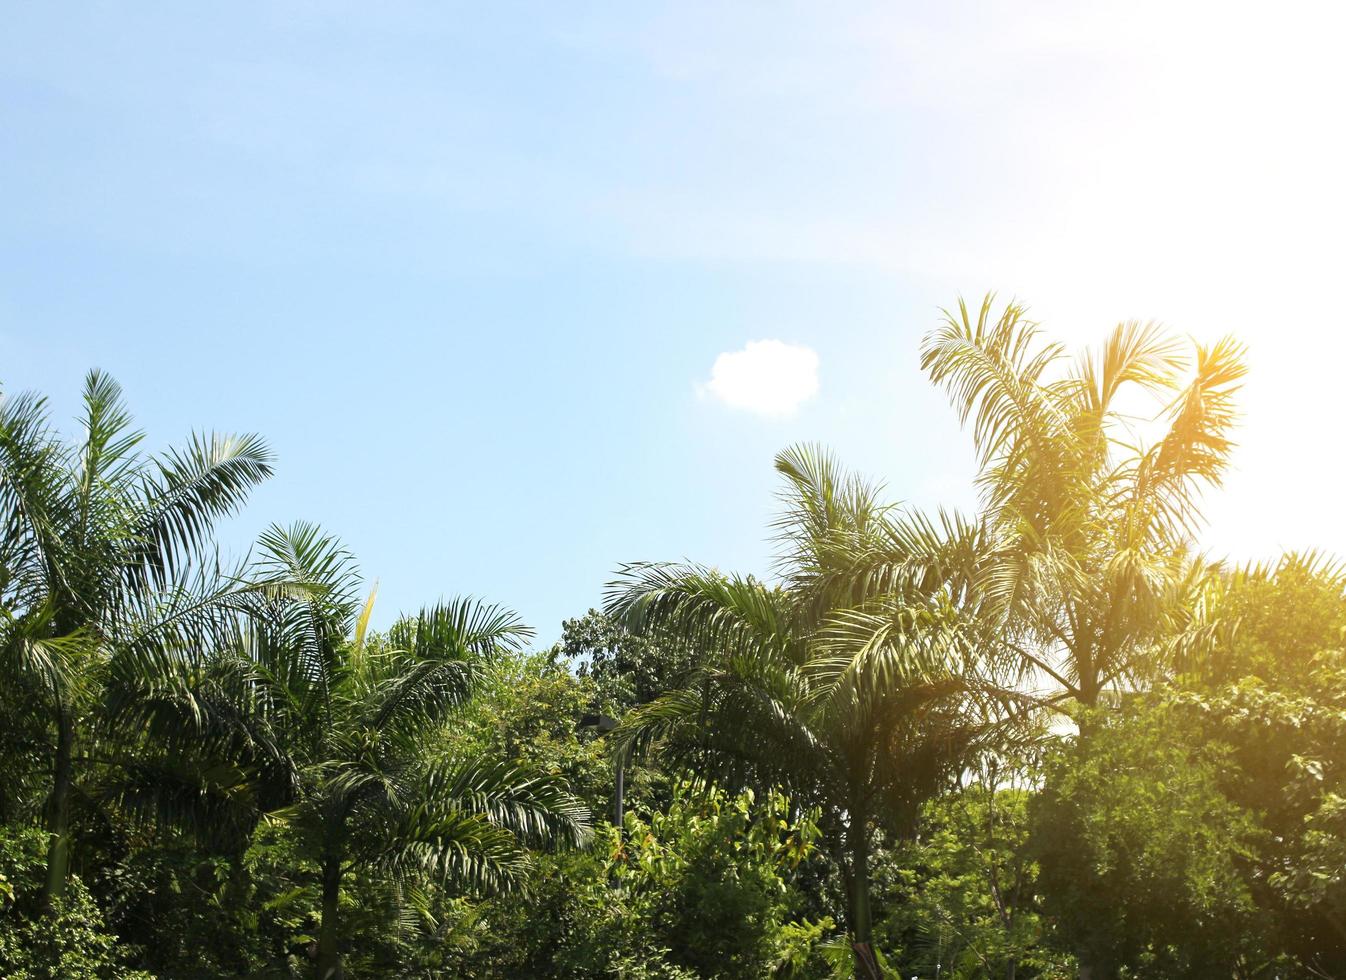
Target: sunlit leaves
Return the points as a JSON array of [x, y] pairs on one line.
[[1089, 504]]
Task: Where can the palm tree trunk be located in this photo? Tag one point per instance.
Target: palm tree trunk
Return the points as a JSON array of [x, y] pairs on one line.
[[1090, 690], [58, 813], [862, 926], [329, 952]]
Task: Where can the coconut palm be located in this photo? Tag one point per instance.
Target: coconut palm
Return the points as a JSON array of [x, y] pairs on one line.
[[1091, 480], [854, 693], [105, 575], [355, 718]]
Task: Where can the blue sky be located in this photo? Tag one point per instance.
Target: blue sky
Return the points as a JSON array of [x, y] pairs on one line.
[[470, 268]]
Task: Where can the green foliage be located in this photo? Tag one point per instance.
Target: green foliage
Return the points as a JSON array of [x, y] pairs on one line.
[[190, 914], [1145, 862], [701, 889], [963, 893], [709, 875], [1271, 689], [1197, 831], [855, 690], [68, 940], [1287, 771], [528, 709], [627, 669], [1272, 621], [356, 719], [210, 772], [105, 585]]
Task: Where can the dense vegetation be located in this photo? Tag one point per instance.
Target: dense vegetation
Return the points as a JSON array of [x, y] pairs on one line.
[[1047, 739]]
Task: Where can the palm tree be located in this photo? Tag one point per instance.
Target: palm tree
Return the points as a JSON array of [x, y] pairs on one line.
[[355, 719], [852, 692], [104, 575], [1089, 508]]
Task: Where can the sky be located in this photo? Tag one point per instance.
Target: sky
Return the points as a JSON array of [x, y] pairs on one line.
[[519, 292]]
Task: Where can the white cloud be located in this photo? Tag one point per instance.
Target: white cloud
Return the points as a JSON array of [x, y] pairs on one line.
[[766, 377]]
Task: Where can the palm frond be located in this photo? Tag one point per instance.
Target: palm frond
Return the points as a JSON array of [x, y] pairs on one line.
[[49, 667], [464, 628], [821, 501], [1134, 353], [1196, 448], [35, 502], [538, 809], [888, 644], [711, 611], [314, 577], [995, 373], [107, 455], [457, 848], [362, 621], [414, 694], [188, 490]]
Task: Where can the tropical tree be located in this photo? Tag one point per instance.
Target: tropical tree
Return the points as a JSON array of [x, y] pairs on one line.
[[1091, 479], [854, 693], [356, 718], [105, 575]]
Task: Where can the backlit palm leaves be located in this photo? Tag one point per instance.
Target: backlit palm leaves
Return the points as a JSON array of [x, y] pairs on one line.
[[1091, 475]]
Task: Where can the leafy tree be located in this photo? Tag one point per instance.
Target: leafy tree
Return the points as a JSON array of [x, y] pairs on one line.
[[623, 670], [1088, 514], [1286, 772], [529, 709], [627, 668], [1204, 837], [1268, 685], [103, 574], [720, 910], [855, 704], [191, 914], [1268, 620]]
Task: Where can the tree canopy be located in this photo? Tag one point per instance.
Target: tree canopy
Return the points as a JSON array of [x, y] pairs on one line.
[[1048, 738]]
